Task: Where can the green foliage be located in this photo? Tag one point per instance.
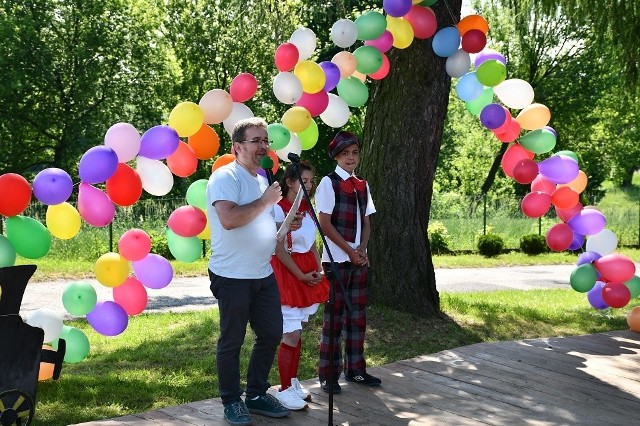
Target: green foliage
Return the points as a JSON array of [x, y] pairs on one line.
[[533, 244], [438, 237], [159, 244], [490, 245]]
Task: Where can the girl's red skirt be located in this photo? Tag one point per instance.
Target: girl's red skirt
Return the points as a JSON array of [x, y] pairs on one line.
[[294, 292]]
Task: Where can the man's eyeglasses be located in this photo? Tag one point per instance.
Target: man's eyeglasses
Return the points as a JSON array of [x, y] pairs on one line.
[[259, 141]]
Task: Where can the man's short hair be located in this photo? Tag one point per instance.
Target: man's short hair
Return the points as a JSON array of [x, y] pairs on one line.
[[238, 133]]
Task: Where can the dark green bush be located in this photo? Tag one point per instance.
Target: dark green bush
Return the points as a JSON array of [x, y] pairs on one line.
[[533, 244], [438, 237], [490, 245], [159, 244]]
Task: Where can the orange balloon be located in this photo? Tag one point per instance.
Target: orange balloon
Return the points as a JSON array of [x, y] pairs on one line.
[[205, 142], [346, 63], [46, 368], [222, 160], [276, 162], [578, 184], [183, 161], [473, 22], [534, 116], [633, 319]]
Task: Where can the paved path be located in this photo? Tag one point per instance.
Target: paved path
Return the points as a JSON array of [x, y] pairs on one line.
[[192, 293]]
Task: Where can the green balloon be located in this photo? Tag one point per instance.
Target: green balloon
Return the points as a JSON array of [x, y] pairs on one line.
[[7, 252], [583, 278], [279, 135], [428, 2], [197, 194], [568, 154], [539, 141], [491, 72], [371, 25], [79, 298], [185, 249], [29, 237], [77, 344], [309, 136], [476, 105], [634, 286], [353, 91], [368, 59]]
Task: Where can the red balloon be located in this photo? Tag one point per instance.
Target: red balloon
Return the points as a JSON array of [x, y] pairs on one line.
[[183, 162], [511, 133], [15, 194], [525, 171], [315, 103], [536, 204], [124, 187], [512, 155], [243, 87], [423, 21], [615, 267], [384, 69], [473, 41], [187, 221], [564, 198], [566, 214], [542, 184], [616, 295], [559, 237], [286, 56], [132, 296]]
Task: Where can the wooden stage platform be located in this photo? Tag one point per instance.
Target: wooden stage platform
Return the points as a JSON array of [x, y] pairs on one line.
[[583, 380]]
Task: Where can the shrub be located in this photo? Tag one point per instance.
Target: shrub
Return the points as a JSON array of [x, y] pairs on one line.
[[438, 237], [533, 244], [490, 245], [159, 244]]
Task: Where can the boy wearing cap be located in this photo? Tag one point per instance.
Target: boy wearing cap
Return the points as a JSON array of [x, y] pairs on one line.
[[344, 204]]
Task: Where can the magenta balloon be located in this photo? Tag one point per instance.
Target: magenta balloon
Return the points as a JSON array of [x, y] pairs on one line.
[[588, 257], [578, 242], [159, 142], [594, 296], [487, 54], [94, 206], [382, 43], [493, 116], [559, 169], [98, 164], [587, 222], [615, 267], [108, 318], [536, 204], [187, 221], [52, 186], [332, 75], [315, 103], [154, 271]]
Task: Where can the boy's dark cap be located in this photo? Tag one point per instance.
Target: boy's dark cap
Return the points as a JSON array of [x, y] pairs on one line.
[[342, 140]]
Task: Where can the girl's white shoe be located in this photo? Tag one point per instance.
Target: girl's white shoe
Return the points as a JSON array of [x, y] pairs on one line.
[[300, 390], [290, 399]]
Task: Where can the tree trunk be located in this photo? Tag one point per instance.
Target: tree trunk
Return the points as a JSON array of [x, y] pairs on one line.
[[401, 143]]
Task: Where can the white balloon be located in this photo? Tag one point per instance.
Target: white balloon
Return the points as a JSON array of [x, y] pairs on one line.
[[604, 242], [514, 93], [47, 320], [287, 88], [305, 40], [344, 33], [239, 112], [216, 105], [155, 175], [458, 64], [124, 139], [337, 112], [294, 146]]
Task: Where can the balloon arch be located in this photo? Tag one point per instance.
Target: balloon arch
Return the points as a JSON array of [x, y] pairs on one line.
[[326, 90]]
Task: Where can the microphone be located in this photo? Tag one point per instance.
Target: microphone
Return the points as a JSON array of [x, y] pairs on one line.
[[293, 157], [267, 164]]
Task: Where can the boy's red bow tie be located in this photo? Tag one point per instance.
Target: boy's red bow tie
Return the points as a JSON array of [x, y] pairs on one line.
[[348, 185]]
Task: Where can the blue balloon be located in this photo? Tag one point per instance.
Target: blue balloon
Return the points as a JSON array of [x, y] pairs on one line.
[[468, 87], [446, 41], [97, 164], [52, 186], [159, 142]]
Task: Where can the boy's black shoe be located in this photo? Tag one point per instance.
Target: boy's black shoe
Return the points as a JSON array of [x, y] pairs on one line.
[[267, 405], [362, 378], [325, 386], [236, 414]]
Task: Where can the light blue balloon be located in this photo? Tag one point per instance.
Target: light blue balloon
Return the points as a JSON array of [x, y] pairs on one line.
[[446, 41], [469, 87]]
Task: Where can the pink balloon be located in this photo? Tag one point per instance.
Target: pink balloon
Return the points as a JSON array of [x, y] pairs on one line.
[[511, 133], [616, 295], [154, 271], [423, 21], [315, 103], [286, 56], [512, 155], [94, 206], [615, 267], [525, 171], [132, 296], [540, 184], [134, 244], [187, 221], [566, 214], [559, 237], [382, 43], [383, 71], [124, 139], [243, 87], [536, 204]]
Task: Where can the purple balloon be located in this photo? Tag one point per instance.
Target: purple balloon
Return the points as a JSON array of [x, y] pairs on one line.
[[159, 142], [52, 186], [332, 75], [493, 116], [587, 222], [108, 318], [594, 296], [488, 54], [578, 242], [98, 164], [552, 130], [382, 43], [262, 172], [587, 257], [559, 169], [397, 8], [154, 271]]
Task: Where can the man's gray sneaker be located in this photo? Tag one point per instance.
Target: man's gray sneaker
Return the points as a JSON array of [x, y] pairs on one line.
[[267, 405]]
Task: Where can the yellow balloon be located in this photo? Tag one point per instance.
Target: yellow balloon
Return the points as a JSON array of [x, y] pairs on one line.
[[112, 269], [401, 30], [534, 116], [186, 118], [206, 232], [296, 119], [63, 221], [310, 75], [346, 63]]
